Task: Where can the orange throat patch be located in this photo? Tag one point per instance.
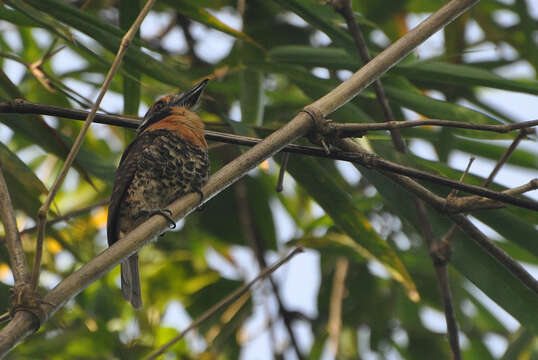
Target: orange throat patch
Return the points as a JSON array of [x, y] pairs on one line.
[[183, 123]]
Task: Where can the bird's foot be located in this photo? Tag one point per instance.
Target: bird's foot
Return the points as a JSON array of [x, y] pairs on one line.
[[201, 194], [167, 214]]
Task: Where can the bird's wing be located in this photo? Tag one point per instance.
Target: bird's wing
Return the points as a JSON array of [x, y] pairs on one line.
[[124, 175]]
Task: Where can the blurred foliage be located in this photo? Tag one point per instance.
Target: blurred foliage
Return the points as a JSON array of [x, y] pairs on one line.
[[268, 59]]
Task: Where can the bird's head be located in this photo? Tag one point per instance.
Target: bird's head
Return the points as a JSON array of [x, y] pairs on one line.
[[168, 105]]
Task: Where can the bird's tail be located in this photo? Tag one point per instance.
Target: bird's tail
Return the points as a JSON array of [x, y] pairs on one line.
[[130, 281]]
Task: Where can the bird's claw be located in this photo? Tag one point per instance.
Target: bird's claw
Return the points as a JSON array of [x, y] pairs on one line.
[[201, 194], [166, 213]]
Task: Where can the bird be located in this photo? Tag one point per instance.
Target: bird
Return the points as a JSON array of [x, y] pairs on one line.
[[167, 159]]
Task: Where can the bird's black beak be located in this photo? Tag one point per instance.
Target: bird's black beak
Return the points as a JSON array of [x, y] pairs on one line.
[[190, 98]]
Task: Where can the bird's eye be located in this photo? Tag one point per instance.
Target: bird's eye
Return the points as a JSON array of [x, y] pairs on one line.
[[158, 106]]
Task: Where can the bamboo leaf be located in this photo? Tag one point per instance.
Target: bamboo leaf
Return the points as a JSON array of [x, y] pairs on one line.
[[366, 242], [110, 38], [252, 97], [429, 71], [129, 10], [24, 187], [198, 13], [467, 257]]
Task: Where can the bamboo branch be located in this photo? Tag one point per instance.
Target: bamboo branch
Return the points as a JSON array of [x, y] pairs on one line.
[[22, 106], [357, 130], [369, 160]]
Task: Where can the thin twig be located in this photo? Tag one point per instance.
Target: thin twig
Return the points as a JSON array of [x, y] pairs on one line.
[[475, 202], [17, 260], [345, 9], [522, 133], [44, 209], [440, 264], [345, 129], [224, 302], [357, 130], [347, 12], [495, 251], [13, 241], [282, 171], [335, 309], [22, 106], [373, 161], [462, 177]]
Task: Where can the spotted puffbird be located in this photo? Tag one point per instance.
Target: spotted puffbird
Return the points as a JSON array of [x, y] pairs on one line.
[[167, 159]]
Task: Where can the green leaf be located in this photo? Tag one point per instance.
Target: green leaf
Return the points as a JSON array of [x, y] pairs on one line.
[[431, 72], [467, 257], [519, 344], [333, 58], [24, 187], [463, 75], [129, 10], [43, 19], [320, 185], [251, 97], [34, 127], [17, 17], [222, 214], [198, 13], [110, 38], [321, 17], [492, 151], [511, 227]]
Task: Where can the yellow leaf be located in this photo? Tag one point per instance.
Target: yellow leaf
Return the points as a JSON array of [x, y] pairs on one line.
[[99, 217], [5, 271], [53, 246]]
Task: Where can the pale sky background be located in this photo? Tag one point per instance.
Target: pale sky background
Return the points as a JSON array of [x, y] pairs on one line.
[[299, 279]]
